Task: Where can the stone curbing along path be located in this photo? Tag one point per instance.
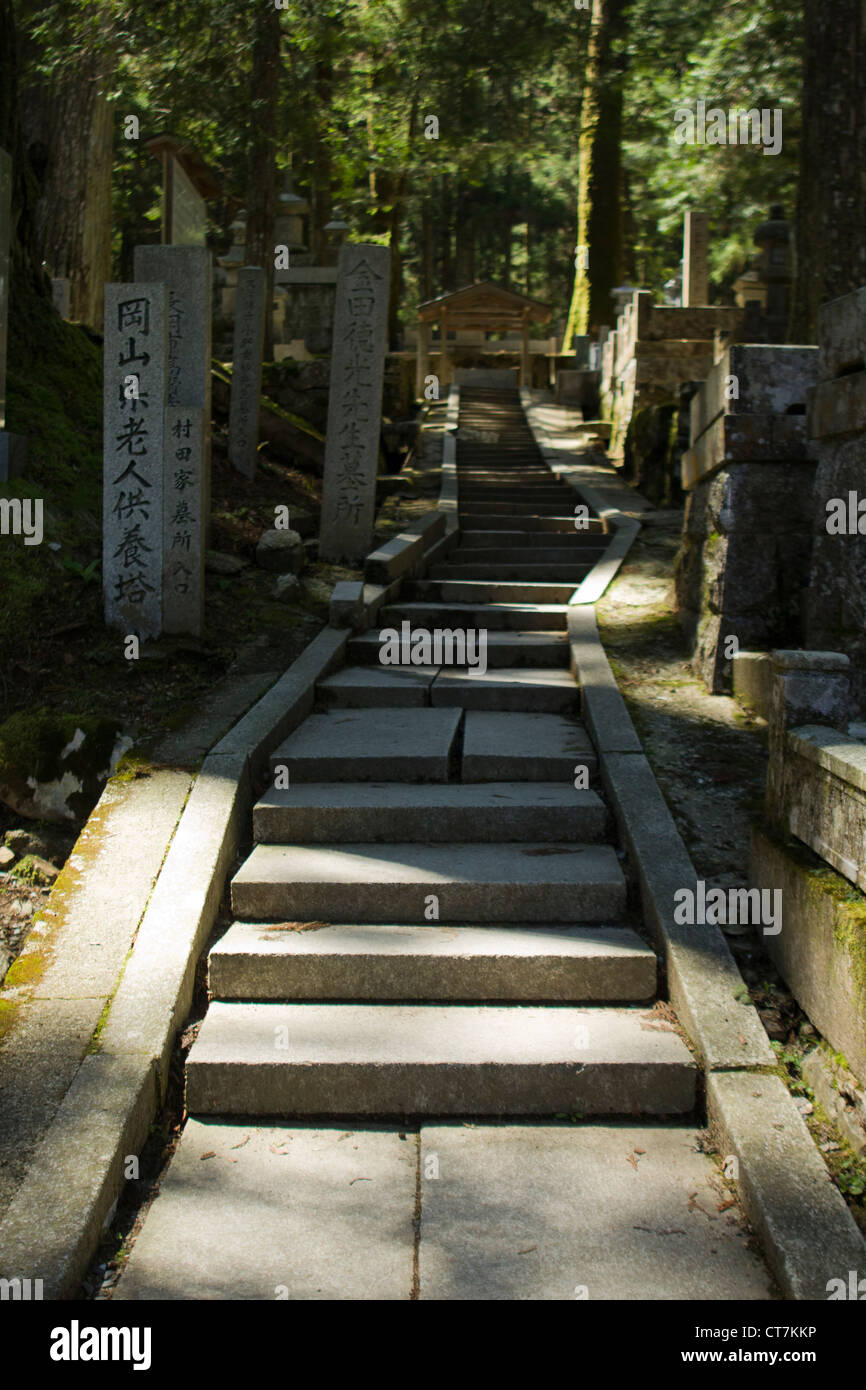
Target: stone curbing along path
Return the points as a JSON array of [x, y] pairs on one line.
[[371, 1013]]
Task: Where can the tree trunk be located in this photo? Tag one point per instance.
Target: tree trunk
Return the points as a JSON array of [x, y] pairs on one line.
[[428, 254], [829, 241], [261, 184], [599, 216], [320, 183], [445, 236], [68, 127], [31, 315]]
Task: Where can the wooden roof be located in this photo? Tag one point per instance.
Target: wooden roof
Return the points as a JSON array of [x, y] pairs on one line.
[[485, 306], [200, 176]]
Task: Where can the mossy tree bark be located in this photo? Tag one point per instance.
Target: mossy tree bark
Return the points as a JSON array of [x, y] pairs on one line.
[[68, 127], [829, 242], [33, 322], [599, 210]]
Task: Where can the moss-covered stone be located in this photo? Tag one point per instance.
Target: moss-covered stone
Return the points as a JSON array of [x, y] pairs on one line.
[[53, 765]]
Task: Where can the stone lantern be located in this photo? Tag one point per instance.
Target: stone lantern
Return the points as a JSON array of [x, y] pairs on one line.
[[773, 264]]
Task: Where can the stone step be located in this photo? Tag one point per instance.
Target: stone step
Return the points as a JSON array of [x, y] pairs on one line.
[[556, 574], [541, 541], [434, 1059], [486, 591], [343, 812], [558, 884], [371, 687], [496, 617], [505, 747], [503, 492], [582, 549], [387, 962], [540, 690], [371, 745], [503, 649], [562, 525], [482, 506]]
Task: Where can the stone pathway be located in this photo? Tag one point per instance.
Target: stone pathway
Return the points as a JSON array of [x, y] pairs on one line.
[[433, 976]]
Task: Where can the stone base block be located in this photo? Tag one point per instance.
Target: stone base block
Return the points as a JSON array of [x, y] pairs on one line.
[[821, 948]]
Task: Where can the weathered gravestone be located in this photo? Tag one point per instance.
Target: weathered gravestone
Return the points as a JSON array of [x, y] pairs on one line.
[[135, 365], [247, 369], [183, 514], [355, 403], [696, 245], [61, 296], [186, 270]]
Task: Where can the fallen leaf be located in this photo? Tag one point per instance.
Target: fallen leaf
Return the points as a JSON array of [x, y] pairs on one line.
[[211, 1153]]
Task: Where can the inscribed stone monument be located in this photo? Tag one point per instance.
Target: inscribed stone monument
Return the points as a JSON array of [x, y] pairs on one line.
[[696, 245], [247, 369], [135, 364], [184, 521], [355, 403]]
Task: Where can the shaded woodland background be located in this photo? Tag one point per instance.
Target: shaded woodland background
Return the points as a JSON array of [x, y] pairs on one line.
[[525, 103]]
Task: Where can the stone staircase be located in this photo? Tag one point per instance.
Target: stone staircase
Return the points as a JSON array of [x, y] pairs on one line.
[[433, 920]]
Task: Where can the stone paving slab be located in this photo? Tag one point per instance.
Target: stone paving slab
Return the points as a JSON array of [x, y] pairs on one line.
[[343, 812], [274, 1213], [371, 744], [433, 1059], [533, 689], [535, 747], [586, 1212], [386, 961], [470, 882], [366, 687]]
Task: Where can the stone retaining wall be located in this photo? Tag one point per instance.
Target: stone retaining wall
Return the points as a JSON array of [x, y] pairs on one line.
[[836, 610], [744, 560]]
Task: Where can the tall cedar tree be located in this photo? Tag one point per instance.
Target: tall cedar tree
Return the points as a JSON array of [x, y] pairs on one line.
[[599, 209], [261, 183], [830, 235]]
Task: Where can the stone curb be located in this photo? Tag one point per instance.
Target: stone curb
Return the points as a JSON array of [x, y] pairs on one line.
[[448, 491], [54, 1221], [807, 1232], [625, 528], [806, 1229]]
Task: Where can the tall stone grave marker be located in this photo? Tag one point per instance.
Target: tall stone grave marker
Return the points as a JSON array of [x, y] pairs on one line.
[[355, 403], [135, 364], [247, 369], [696, 246], [187, 272], [183, 514]]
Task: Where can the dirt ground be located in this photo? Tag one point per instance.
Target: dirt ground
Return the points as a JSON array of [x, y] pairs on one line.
[[710, 760]]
